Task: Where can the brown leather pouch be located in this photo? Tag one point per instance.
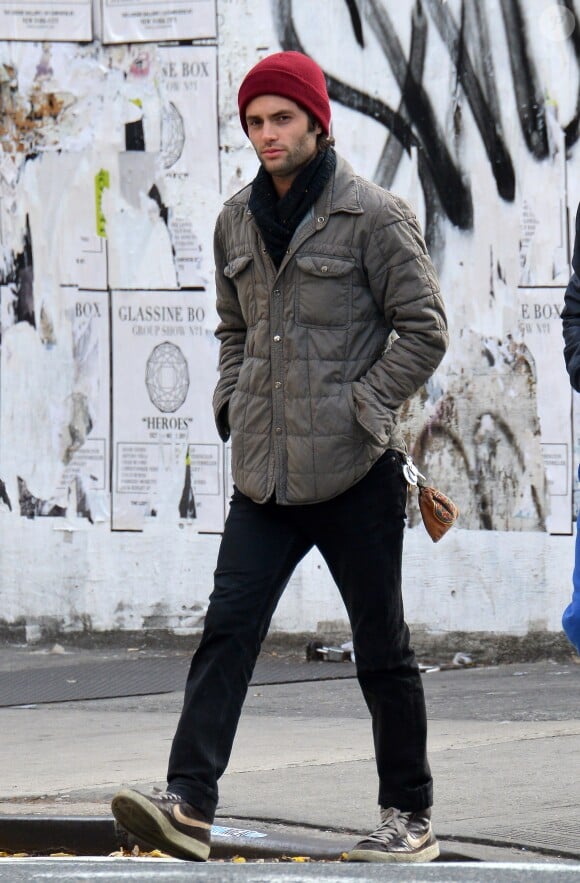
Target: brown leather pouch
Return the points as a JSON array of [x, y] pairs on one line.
[[438, 512]]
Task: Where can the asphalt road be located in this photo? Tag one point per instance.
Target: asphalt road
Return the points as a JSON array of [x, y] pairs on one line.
[[160, 871]]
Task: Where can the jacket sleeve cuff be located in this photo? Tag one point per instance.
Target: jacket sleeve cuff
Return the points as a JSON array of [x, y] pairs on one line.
[[220, 410]]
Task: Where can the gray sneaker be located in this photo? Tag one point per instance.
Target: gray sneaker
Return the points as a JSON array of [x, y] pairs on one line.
[[164, 821], [401, 837]]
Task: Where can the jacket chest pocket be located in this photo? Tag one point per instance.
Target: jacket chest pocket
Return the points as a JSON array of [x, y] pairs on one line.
[[324, 291], [240, 271]]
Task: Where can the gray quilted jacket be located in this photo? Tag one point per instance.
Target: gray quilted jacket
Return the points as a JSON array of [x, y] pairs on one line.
[[311, 376]]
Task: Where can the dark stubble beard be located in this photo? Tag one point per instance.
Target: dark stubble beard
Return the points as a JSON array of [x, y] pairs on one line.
[[300, 155]]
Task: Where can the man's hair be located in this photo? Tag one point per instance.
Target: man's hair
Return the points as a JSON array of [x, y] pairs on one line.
[[323, 142]]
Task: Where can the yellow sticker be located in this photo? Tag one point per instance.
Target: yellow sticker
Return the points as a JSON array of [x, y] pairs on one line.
[[101, 181]]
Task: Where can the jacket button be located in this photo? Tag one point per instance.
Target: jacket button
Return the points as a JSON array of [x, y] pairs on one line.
[[320, 220], [277, 338], [324, 269], [278, 429], [278, 384], [276, 291]]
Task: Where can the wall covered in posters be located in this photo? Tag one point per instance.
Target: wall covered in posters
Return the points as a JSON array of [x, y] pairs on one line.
[[119, 141]]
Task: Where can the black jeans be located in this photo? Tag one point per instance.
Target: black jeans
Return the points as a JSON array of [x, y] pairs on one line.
[[360, 536]]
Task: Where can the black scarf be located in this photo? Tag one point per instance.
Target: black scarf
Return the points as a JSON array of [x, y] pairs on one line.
[[279, 218]]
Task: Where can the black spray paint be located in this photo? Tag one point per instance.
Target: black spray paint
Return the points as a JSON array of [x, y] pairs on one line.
[[34, 507], [4, 498], [414, 123], [572, 130], [20, 278]]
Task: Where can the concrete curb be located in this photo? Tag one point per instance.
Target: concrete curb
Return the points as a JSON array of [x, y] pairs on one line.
[[85, 836], [100, 836]]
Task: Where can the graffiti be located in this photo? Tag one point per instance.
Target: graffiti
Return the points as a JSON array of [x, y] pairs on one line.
[[20, 279], [34, 507], [4, 498], [454, 115], [469, 437], [413, 125], [487, 117], [572, 130]]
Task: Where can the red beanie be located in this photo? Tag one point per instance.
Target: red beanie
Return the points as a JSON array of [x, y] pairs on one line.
[[291, 75]]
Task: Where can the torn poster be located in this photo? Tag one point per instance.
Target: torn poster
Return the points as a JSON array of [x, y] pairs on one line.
[[45, 20], [140, 252], [86, 473], [55, 448], [540, 328], [190, 156], [150, 21], [71, 241], [167, 455], [543, 223], [36, 427]]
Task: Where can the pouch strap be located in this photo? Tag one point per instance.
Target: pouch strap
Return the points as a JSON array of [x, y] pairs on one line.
[[413, 477]]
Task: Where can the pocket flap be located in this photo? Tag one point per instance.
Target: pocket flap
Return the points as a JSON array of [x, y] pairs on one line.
[[237, 265], [318, 265]]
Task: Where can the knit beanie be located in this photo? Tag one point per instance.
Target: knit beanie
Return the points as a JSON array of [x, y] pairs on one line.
[[291, 75]]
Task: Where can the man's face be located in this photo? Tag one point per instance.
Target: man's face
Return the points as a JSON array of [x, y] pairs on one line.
[[281, 135]]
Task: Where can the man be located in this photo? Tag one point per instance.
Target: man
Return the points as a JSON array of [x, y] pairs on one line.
[[315, 269], [571, 328]]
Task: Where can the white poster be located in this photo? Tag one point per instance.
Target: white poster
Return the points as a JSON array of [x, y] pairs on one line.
[[86, 474], [149, 21], [74, 241], [543, 221], [541, 329], [57, 20], [190, 155], [88, 251], [61, 211], [55, 407], [167, 455]]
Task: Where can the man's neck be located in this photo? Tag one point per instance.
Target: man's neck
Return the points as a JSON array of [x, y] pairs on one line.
[[282, 185]]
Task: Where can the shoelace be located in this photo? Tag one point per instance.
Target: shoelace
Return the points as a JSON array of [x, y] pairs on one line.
[[167, 795], [393, 824]]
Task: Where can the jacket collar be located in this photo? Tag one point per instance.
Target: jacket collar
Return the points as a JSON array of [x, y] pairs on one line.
[[341, 195], [344, 195]]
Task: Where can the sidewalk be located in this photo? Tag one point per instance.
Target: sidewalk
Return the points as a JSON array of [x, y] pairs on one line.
[[504, 748]]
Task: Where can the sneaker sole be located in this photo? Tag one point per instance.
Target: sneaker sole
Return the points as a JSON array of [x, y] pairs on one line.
[[428, 854], [142, 819]]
